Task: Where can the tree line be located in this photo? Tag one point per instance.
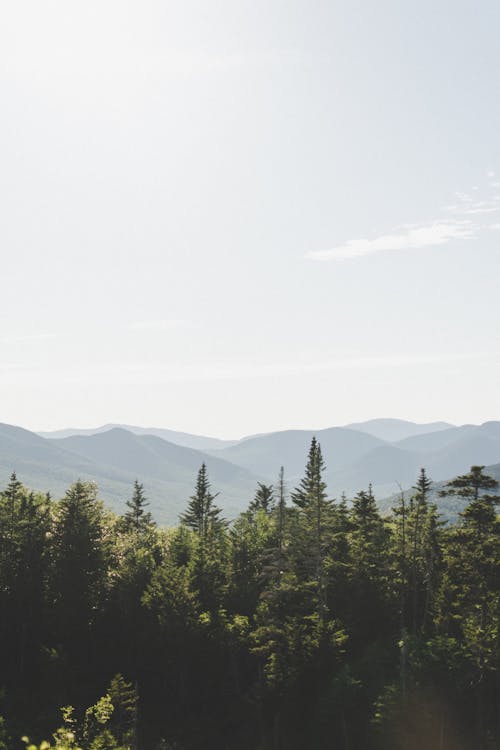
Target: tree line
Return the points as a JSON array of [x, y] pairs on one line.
[[307, 623]]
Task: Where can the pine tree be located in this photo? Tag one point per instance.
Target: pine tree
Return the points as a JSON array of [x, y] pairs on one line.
[[367, 568], [264, 499], [24, 526], [474, 487], [424, 550], [136, 518], [274, 557], [10, 499], [123, 723], [202, 515], [281, 513], [368, 534], [315, 520], [80, 564], [469, 604]]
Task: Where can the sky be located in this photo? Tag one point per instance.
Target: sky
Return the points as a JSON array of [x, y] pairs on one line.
[[236, 216]]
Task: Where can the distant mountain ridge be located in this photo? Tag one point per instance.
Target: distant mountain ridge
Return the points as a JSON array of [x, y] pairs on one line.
[[115, 456], [114, 459], [186, 439], [394, 430]]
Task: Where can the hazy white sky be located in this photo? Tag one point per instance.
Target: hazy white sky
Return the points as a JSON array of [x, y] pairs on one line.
[[230, 216]]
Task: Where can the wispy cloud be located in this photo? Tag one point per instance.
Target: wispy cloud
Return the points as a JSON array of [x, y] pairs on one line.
[[410, 239], [468, 204], [461, 223]]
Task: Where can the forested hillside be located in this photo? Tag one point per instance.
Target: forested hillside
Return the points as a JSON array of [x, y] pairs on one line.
[[355, 456], [306, 623]]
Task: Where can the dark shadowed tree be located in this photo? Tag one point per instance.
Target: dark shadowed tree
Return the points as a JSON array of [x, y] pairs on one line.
[[136, 518]]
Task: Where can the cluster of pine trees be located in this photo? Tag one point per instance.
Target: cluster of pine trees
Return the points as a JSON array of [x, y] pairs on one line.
[[304, 624]]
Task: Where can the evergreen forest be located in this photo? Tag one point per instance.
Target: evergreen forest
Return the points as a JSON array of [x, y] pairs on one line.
[[306, 623]]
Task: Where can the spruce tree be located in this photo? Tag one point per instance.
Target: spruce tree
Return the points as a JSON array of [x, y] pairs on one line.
[[475, 488], [264, 498], [274, 556], [81, 558], [423, 526], [202, 515], [367, 568], [24, 526], [315, 520], [470, 592], [281, 511], [136, 518]]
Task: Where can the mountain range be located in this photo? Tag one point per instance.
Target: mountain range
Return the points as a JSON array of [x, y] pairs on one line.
[[388, 453]]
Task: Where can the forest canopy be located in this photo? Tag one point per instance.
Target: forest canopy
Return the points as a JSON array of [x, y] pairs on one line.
[[307, 622]]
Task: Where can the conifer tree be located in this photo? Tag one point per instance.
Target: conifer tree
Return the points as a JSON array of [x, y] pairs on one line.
[[136, 518], [423, 550], [470, 591], [10, 499], [367, 571], [475, 488], [124, 699], [281, 511], [80, 564], [24, 525], [473, 553], [202, 515], [315, 511], [274, 556], [367, 537], [264, 498]]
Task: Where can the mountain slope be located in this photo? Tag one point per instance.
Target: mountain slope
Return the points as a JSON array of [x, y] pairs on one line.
[[385, 465], [481, 446], [149, 455], [186, 439], [393, 430], [114, 459], [265, 454], [434, 441], [395, 464]]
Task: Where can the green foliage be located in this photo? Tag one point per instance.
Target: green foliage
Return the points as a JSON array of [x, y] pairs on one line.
[[137, 519], [264, 499], [4, 737], [202, 515], [312, 625], [109, 724]]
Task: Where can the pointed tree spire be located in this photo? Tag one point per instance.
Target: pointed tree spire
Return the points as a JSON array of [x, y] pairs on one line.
[[137, 518], [312, 488], [202, 514], [311, 500], [264, 498]]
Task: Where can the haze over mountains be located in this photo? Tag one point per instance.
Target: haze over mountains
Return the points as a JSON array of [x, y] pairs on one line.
[[199, 442], [385, 452]]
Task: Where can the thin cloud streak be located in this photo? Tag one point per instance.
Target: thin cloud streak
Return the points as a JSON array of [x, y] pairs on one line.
[[411, 239], [456, 226]]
